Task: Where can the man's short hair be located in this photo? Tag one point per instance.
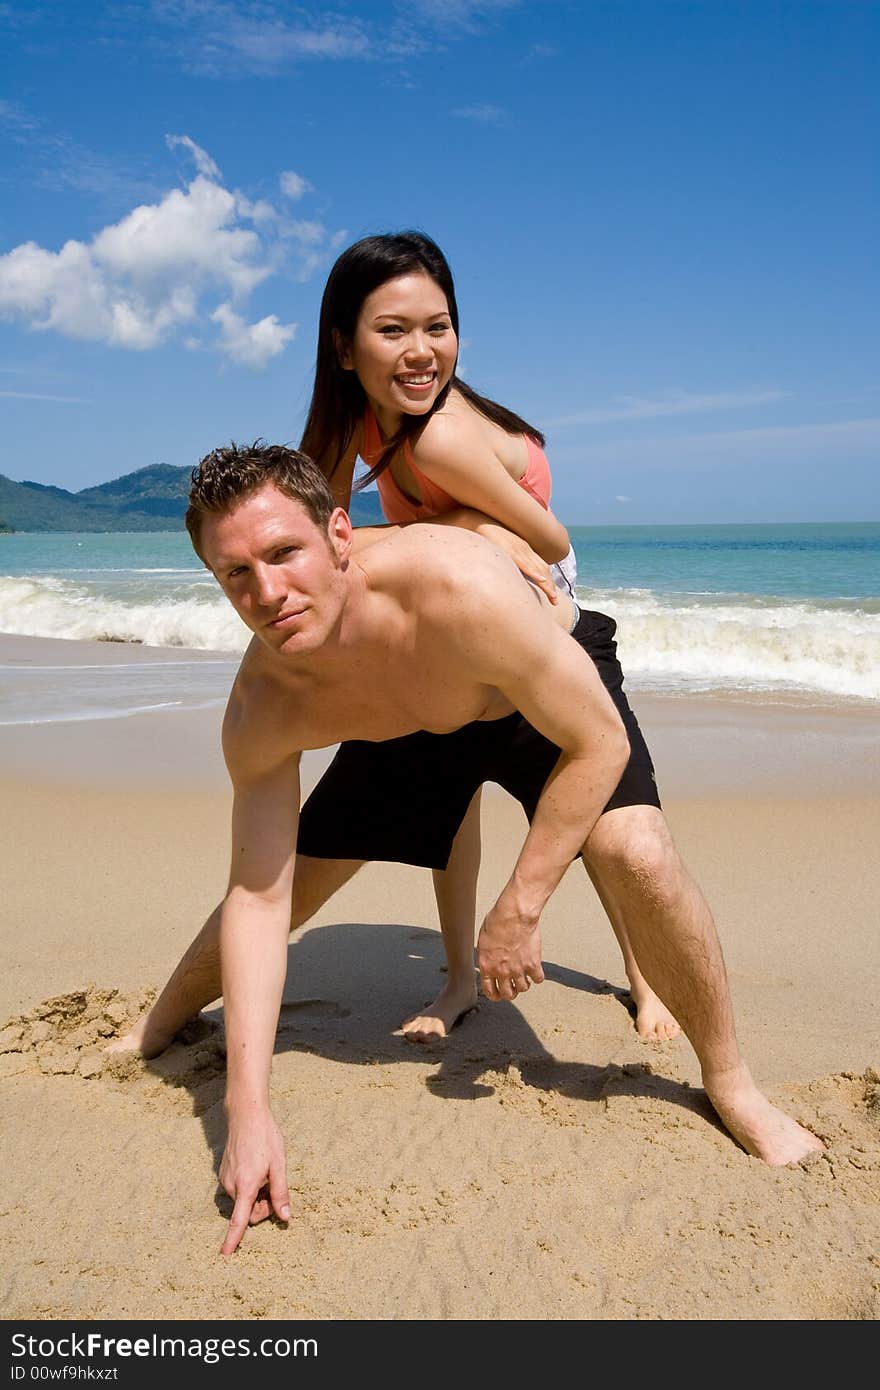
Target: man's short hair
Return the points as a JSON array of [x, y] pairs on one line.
[[226, 476]]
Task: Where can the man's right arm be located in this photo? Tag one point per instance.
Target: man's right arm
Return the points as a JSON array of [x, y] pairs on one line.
[[254, 929], [506, 641]]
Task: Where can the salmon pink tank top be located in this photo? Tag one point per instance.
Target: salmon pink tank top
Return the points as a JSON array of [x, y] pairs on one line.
[[400, 509]]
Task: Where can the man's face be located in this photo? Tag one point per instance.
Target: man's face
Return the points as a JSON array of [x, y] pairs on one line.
[[283, 575]]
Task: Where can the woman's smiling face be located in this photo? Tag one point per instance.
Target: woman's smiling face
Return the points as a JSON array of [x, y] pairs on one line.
[[404, 348]]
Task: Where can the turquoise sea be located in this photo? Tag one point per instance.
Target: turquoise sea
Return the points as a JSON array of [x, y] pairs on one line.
[[765, 610]]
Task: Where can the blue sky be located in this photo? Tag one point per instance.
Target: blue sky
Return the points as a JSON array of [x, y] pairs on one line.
[[662, 220]]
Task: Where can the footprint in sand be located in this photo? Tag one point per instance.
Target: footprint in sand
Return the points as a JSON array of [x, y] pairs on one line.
[[296, 1011]]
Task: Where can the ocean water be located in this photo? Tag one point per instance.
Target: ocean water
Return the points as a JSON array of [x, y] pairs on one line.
[[147, 588], [763, 610], [759, 609]]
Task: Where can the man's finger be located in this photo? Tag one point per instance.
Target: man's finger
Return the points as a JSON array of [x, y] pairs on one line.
[[260, 1211], [279, 1193], [238, 1223], [490, 989]]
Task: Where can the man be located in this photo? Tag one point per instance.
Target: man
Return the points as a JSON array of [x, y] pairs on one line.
[[428, 630]]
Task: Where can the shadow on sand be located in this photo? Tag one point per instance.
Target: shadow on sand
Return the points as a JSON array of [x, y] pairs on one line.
[[349, 985]]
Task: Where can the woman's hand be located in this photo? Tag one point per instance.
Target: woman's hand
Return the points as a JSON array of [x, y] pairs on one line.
[[527, 561]]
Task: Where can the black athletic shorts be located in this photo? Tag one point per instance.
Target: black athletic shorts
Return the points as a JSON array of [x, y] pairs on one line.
[[405, 798]]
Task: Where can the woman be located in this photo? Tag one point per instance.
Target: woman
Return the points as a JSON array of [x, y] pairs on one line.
[[386, 390]]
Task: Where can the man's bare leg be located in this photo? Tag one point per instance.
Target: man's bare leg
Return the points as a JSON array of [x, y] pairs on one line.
[[195, 981], [673, 936], [654, 1022], [455, 888]]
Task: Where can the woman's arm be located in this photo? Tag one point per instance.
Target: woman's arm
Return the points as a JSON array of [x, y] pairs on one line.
[[343, 474], [455, 454], [340, 486]]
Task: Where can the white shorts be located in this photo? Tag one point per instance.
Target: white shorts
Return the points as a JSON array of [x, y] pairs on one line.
[[565, 573]]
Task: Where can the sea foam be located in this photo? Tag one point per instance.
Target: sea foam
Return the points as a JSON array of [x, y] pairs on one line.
[[736, 642], [48, 606], [666, 642]]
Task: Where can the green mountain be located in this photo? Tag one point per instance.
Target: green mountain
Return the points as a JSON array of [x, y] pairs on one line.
[[150, 499], [157, 491]]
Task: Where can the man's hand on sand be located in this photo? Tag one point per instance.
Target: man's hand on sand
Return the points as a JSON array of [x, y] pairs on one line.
[[508, 954], [254, 1174]]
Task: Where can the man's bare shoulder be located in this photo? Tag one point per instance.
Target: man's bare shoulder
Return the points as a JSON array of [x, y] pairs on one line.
[[425, 553], [450, 576], [263, 726]]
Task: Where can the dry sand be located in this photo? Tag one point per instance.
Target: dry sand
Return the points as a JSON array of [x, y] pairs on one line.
[[543, 1163]]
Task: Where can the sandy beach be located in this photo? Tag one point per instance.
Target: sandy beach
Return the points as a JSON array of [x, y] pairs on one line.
[[542, 1163]]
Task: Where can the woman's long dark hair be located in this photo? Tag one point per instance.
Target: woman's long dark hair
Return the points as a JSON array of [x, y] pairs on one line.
[[338, 399]]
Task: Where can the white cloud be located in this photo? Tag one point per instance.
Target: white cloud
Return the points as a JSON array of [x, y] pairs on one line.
[[204, 162], [314, 244], [460, 14], [261, 212], [191, 234], [621, 498], [68, 291], [675, 403], [140, 280], [17, 119], [293, 186], [252, 344], [220, 36]]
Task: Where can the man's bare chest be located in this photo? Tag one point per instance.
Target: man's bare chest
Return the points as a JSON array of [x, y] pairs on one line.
[[389, 697]]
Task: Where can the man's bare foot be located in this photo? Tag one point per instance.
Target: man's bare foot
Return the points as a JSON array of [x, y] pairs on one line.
[[654, 1022], [761, 1129], [440, 1017], [144, 1037]]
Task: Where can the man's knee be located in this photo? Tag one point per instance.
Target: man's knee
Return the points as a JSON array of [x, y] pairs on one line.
[[634, 843]]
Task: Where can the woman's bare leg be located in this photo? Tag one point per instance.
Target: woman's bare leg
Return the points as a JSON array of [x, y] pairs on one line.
[[654, 1022], [455, 888]]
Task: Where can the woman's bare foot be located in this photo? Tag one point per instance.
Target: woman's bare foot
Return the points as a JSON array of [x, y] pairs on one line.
[[144, 1037], [761, 1129], [654, 1022], [455, 999]]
